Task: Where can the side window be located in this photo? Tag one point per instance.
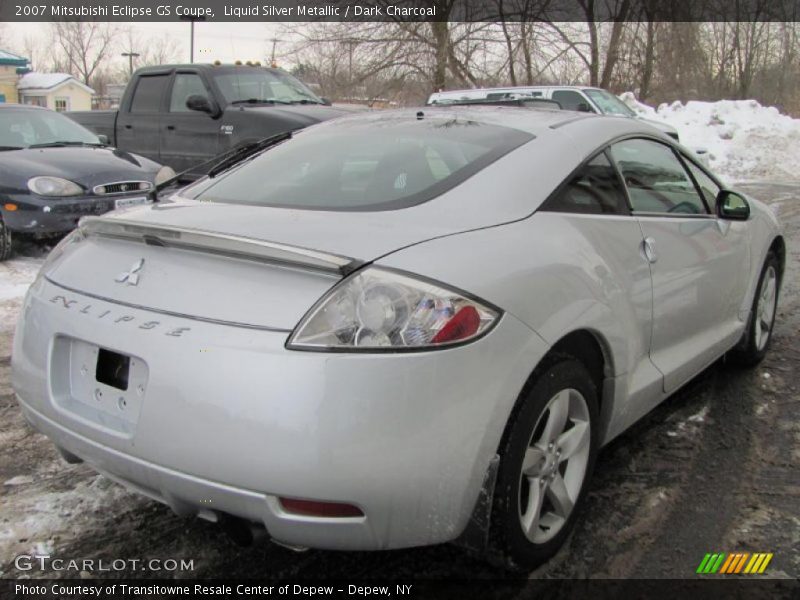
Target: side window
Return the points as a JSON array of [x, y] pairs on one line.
[[595, 189], [656, 179], [570, 99], [148, 92], [708, 188], [186, 84]]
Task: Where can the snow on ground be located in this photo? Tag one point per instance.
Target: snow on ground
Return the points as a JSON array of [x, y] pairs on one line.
[[16, 275], [745, 141]]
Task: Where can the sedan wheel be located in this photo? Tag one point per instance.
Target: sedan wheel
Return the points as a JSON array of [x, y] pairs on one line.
[[546, 459], [6, 245]]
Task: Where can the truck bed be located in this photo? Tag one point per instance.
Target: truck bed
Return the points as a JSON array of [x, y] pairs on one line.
[[101, 122]]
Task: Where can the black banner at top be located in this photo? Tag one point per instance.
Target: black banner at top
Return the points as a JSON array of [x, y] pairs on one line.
[[398, 10]]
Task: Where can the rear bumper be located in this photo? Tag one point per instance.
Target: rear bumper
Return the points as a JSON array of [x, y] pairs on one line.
[[230, 420], [189, 495]]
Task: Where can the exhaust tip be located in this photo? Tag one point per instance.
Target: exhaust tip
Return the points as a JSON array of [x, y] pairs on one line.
[[241, 532], [69, 456]]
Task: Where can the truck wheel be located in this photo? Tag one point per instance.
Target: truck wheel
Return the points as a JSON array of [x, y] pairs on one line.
[[546, 459], [5, 241]]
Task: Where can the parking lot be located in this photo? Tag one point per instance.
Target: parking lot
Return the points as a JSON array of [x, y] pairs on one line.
[[712, 469]]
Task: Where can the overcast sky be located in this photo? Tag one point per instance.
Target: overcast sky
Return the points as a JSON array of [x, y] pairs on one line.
[[225, 42]]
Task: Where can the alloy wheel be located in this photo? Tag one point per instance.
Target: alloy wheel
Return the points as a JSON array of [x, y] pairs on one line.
[[765, 308], [554, 465]]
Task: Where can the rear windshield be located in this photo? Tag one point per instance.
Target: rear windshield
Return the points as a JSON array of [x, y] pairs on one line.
[[263, 85], [366, 166]]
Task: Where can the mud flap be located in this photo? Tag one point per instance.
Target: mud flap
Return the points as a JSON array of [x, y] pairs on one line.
[[475, 537]]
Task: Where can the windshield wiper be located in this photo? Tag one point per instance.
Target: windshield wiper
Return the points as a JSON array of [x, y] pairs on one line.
[[225, 161], [62, 144], [260, 101], [245, 152], [4, 148]]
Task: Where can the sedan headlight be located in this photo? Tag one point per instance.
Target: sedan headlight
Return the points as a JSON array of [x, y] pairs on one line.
[[378, 309], [164, 174], [54, 186]]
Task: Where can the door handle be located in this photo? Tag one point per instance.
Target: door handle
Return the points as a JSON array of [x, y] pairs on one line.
[[128, 126], [171, 127], [649, 249]]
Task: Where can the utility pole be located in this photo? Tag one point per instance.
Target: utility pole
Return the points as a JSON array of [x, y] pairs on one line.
[[191, 20], [272, 62], [131, 55], [351, 43]]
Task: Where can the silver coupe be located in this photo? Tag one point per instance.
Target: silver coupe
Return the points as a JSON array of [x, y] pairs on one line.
[[397, 328]]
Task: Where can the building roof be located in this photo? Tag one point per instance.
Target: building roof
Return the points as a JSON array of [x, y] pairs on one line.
[[12, 60], [48, 82]]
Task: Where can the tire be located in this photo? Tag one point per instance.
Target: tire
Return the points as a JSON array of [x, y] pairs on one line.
[[758, 336], [6, 243], [531, 513]]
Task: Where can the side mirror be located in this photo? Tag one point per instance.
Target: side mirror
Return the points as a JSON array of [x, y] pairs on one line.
[[732, 206], [202, 104], [584, 107], [103, 139], [326, 102]]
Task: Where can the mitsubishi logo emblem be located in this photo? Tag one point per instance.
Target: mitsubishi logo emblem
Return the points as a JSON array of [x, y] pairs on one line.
[[131, 277]]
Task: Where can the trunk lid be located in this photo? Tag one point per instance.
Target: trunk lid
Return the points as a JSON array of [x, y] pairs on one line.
[[247, 266]]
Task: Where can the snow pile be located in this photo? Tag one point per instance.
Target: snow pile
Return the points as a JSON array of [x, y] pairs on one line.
[[745, 141]]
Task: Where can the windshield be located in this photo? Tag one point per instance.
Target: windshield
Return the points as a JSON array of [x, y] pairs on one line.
[[23, 128], [366, 166], [609, 104], [263, 85]]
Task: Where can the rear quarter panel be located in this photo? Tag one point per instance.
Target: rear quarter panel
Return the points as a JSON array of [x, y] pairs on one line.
[[556, 273]]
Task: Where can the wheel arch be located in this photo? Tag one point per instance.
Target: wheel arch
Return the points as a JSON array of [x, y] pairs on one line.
[[592, 350]]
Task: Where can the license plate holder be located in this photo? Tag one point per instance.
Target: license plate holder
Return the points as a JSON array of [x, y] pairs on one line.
[[126, 202], [98, 384]]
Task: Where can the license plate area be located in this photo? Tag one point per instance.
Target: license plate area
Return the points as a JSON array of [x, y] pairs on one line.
[[97, 384], [112, 369], [125, 202]]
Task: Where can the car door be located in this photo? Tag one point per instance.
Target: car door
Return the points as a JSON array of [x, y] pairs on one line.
[[138, 122], [698, 263], [593, 202], [188, 137]]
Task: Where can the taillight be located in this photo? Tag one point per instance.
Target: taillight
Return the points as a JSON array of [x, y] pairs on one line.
[[464, 324], [379, 309]]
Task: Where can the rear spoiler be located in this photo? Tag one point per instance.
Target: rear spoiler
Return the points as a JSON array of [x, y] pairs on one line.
[[218, 243]]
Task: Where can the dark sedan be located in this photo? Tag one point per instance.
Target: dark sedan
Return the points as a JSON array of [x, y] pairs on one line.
[[54, 171]]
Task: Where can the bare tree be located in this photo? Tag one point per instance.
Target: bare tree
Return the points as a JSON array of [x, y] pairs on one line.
[[150, 50], [85, 45], [37, 50]]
